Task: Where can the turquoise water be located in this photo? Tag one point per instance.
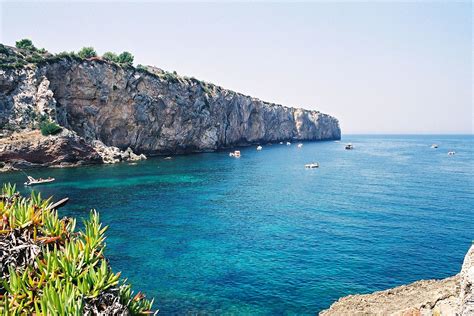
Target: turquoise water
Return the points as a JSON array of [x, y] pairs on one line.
[[210, 234]]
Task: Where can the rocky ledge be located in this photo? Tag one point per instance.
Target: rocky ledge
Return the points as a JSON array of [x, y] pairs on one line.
[[102, 104], [450, 296], [31, 149]]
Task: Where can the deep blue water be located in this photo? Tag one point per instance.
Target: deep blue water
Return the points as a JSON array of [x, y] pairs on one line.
[[210, 234]]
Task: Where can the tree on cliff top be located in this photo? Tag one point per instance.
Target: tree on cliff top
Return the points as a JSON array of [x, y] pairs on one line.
[[125, 58], [25, 44], [110, 57], [87, 52]]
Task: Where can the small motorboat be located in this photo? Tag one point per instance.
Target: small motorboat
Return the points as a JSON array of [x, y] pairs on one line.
[[300, 145], [434, 146], [281, 143], [167, 158], [312, 165], [349, 146], [237, 154], [231, 154], [451, 153], [33, 181], [288, 144], [259, 148]]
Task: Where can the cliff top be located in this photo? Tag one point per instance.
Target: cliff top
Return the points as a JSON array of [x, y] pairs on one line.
[[28, 56]]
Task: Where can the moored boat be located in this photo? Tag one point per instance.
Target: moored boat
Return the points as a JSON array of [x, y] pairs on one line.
[[259, 148], [33, 181], [349, 146], [312, 165]]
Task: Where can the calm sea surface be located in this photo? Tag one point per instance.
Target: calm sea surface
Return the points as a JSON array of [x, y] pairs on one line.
[[210, 234]]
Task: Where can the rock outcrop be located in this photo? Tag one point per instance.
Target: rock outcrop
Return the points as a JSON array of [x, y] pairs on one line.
[[31, 149], [450, 296], [146, 109]]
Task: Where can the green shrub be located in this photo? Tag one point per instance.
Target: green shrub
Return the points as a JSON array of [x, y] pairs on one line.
[[4, 50], [34, 58], [54, 269], [141, 67], [49, 128], [125, 58], [109, 56], [87, 52], [25, 44]]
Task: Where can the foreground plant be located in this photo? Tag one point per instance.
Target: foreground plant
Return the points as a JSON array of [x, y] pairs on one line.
[[48, 268]]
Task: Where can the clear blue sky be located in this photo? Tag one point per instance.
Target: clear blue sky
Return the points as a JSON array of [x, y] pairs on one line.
[[378, 67]]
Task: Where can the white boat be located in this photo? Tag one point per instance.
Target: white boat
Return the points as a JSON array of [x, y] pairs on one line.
[[259, 148], [300, 145], [434, 146], [349, 146], [311, 165], [288, 143], [451, 153], [33, 181], [231, 154], [168, 158], [281, 143], [237, 154]]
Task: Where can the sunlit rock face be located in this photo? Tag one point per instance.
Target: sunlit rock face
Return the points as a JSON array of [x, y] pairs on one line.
[[157, 114], [151, 111]]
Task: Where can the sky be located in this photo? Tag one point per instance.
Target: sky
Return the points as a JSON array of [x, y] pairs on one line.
[[379, 67]]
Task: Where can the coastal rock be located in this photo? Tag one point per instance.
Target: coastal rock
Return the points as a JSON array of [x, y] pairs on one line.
[[164, 115], [111, 154], [466, 297], [450, 296], [24, 96], [126, 112], [31, 149]]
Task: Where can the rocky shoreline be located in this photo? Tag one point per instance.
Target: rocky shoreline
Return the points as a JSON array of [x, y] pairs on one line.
[[450, 296], [32, 150], [110, 112]]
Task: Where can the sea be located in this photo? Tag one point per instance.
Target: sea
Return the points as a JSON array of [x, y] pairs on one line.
[[209, 234]]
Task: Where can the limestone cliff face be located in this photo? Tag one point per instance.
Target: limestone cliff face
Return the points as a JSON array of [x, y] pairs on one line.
[[151, 111]]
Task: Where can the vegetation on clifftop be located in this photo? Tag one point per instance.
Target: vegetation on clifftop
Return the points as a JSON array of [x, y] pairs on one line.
[[27, 54], [49, 268]]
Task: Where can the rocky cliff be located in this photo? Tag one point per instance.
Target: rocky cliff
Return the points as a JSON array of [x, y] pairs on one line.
[[146, 109], [450, 296]]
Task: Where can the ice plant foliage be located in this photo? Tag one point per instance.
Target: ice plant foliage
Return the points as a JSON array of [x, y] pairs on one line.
[[48, 268]]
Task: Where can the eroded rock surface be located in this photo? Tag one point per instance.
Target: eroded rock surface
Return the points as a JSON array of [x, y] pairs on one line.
[[31, 149], [147, 110], [450, 296]]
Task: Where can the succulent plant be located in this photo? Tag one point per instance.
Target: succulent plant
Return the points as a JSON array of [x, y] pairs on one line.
[[48, 268]]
